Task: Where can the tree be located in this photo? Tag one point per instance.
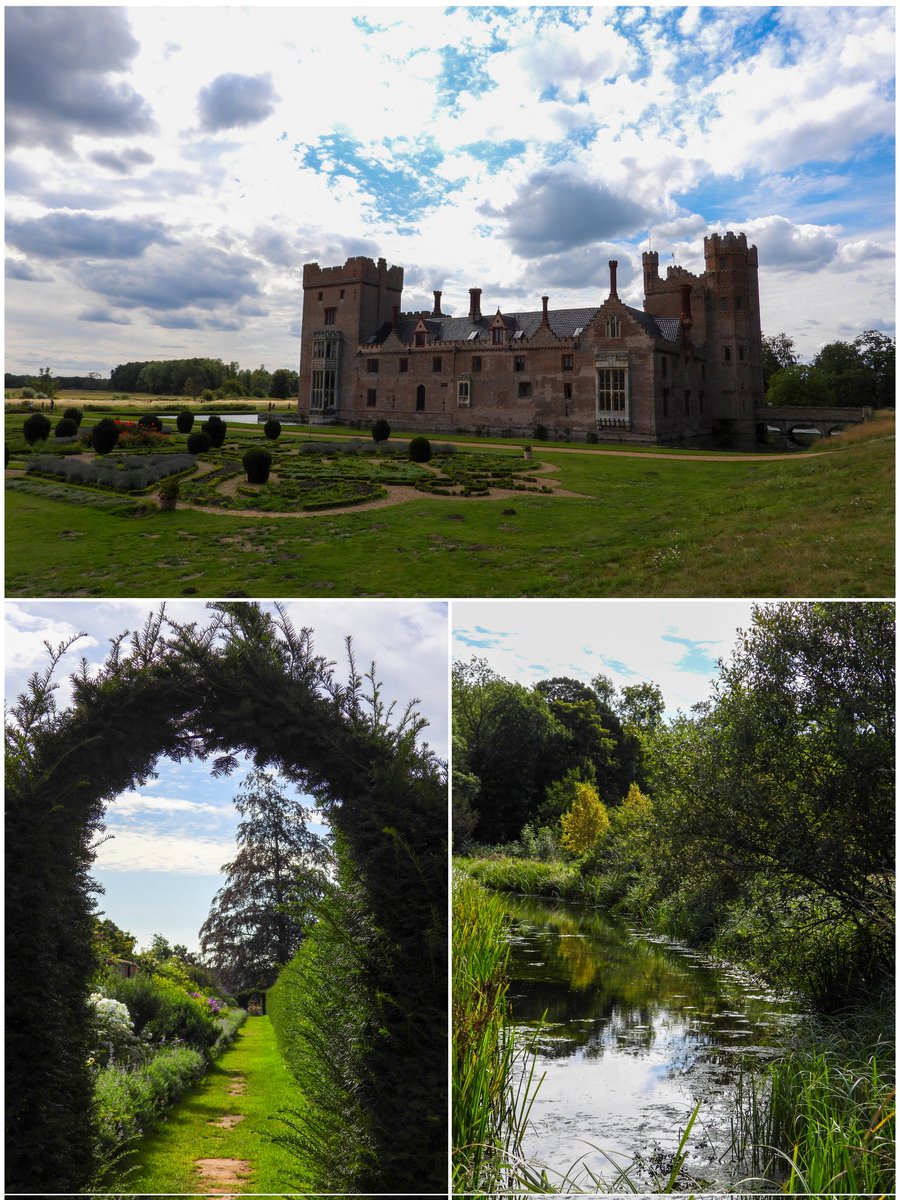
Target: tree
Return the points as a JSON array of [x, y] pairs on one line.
[[787, 776], [112, 942], [798, 385], [778, 354], [641, 706], [510, 738], [255, 921], [585, 822], [284, 384], [878, 352]]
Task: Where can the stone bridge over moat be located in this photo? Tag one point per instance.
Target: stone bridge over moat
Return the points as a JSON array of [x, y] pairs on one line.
[[787, 418]]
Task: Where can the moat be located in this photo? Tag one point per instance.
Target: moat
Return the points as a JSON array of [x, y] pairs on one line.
[[635, 1031]]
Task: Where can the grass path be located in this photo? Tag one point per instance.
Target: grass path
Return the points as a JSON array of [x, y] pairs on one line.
[[216, 1141]]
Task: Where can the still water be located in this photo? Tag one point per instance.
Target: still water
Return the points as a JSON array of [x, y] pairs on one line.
[[635, 1031]]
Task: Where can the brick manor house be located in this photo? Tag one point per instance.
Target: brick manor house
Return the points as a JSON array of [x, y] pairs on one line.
[[685, 368]]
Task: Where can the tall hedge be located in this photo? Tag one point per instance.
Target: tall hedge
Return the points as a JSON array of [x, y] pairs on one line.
[[246, 683]]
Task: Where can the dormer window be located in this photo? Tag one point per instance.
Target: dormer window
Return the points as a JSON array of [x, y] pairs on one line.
[[421, 339], [497, 336]]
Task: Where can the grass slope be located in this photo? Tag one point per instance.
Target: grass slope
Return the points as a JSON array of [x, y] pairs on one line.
[[163, 1162], [812, 525]]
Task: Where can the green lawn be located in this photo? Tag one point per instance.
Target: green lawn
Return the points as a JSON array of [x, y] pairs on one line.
[[818, 524], [164, 1160]]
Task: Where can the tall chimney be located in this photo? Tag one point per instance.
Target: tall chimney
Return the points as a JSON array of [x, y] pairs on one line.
[[545, 319], [474, 304], [687, 321], [437, 305], [613, 267]]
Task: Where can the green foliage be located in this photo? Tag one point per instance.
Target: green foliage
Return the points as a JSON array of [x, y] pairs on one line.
[[104, 435], [150, 421], [36, 428], [284, 384], [419, 450], [257, 463], [74, 414], [272, 429], [199, 442], [381, 430], [215, 428], [256, 920], [246, 683], [322, 1007], [184, 422], [127, 1101], [162, 1010], [65, 428]]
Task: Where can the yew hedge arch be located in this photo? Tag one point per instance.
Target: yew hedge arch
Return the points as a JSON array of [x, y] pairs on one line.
[[244, 682]]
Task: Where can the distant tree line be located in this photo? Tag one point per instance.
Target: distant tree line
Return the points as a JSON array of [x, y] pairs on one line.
[[172, 377], [843, 374], [519, 753]]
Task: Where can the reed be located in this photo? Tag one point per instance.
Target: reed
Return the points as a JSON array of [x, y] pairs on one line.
[[493, 1069], [820, 1121]]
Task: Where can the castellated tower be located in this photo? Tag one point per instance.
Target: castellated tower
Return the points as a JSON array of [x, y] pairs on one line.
[[342, 308], [733, 283], [724, 303]]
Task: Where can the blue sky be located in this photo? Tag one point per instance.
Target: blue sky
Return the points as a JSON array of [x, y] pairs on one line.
[[161, 866], [169, 170], [675, 644]]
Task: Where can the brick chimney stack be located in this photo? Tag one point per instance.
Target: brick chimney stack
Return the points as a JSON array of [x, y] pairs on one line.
[[613, 267], [545, 319], [474, 304], [437, 305]]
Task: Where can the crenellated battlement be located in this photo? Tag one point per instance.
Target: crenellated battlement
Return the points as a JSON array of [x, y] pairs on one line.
[[354, 270]]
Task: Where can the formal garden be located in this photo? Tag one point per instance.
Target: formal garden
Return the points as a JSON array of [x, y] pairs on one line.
[[156, 495]]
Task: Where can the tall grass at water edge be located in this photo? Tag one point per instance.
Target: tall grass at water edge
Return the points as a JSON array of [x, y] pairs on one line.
[[823, 1118], [493, 1070]]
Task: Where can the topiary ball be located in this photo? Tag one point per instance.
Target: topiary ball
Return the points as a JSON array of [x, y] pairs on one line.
[[215, 427], [74, 414], [65, 428], [420, 450], [257, 464], [184, 422], [381, 431], [199, 442], [104, 435], [36, 428], [272, 428]]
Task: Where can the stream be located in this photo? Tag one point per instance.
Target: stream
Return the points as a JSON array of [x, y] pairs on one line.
[[636, 1029]]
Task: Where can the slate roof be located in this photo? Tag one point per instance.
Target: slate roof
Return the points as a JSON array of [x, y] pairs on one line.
[[563, 322]]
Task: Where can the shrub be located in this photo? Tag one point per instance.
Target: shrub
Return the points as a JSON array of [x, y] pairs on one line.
[[199, 443], [161, 1010], [129, 1102], [36, 428], [65, 428], [74, 414], [206, 395], [272, 428], [257, 464], [184, 422], [104, 435], [27, 393], [149, 421], [381, 430], [420, 450], [215, 427]]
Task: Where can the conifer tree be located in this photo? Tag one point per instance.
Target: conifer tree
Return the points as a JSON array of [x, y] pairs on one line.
[[255, 921], [586, 821]]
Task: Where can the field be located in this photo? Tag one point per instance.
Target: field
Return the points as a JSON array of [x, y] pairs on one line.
[[574, 521]]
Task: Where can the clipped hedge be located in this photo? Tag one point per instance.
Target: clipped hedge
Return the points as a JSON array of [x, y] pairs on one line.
[[272, 428], [419, 450], [123, 473], [257, 464], [184, 422]]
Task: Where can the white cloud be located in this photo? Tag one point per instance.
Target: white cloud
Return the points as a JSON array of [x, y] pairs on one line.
[[130, 803], [136, 850]]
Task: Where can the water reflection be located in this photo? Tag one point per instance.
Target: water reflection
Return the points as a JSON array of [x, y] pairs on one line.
[[634, 1031]]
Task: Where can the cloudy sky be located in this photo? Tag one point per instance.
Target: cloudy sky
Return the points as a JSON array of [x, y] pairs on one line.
[[675, 644], [169, 170], [162, 865]]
